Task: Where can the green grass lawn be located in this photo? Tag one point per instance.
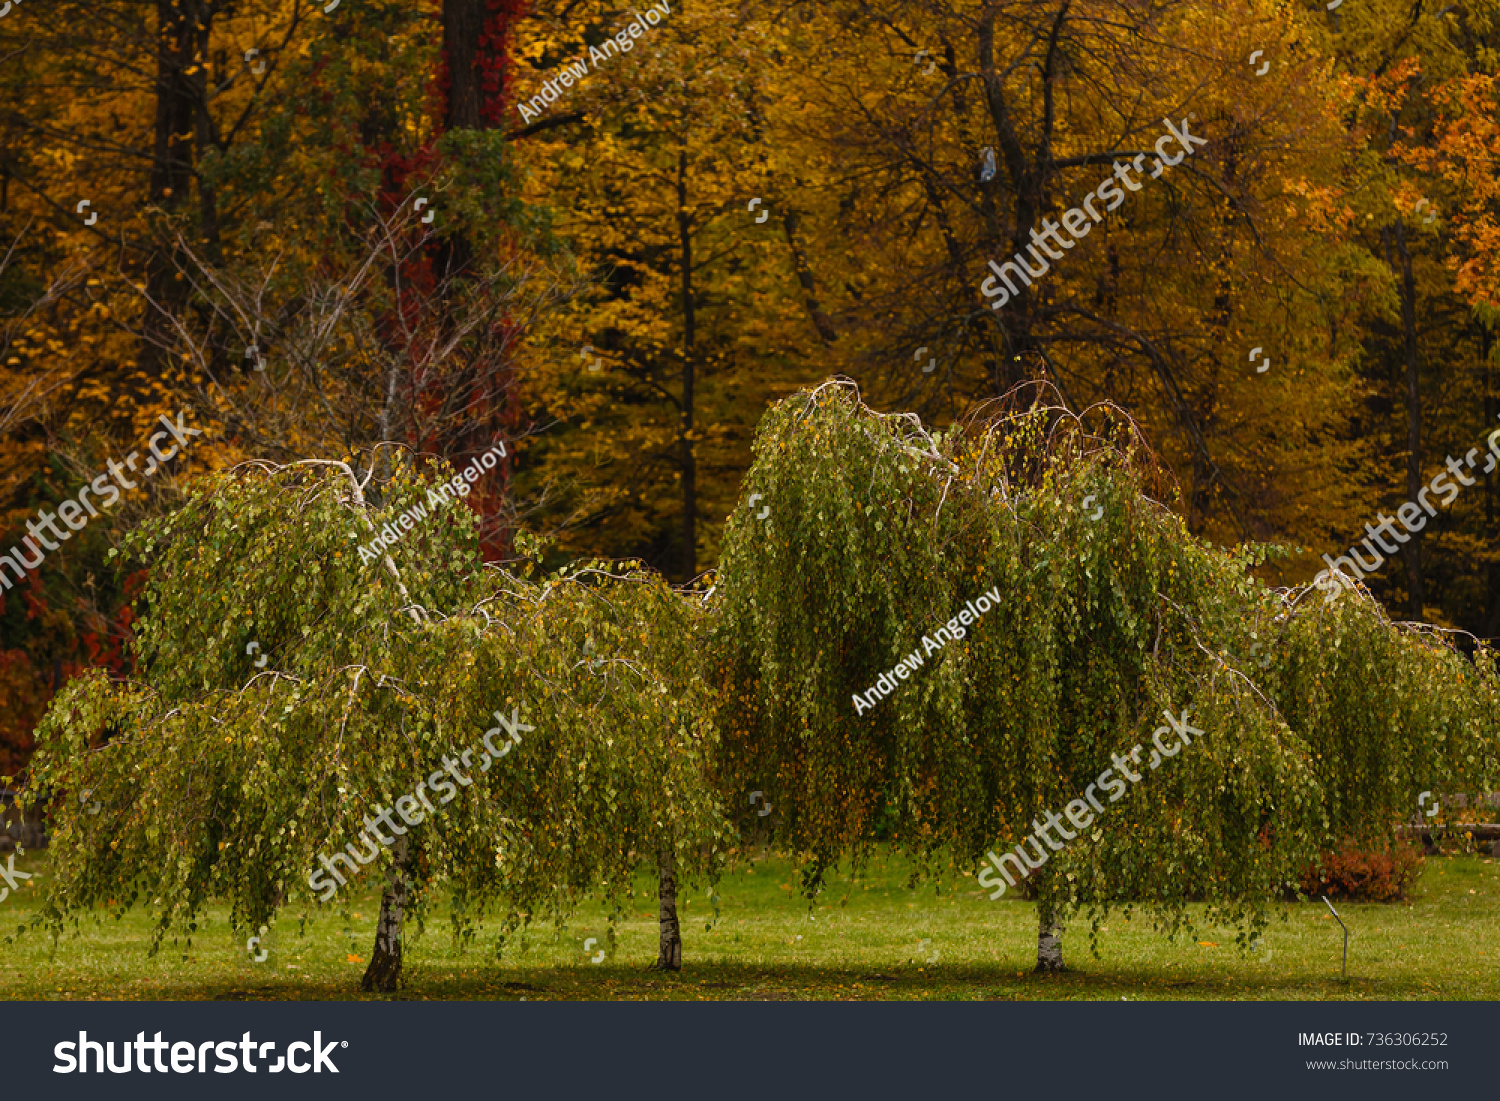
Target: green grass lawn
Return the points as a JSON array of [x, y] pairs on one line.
[[871, 937]]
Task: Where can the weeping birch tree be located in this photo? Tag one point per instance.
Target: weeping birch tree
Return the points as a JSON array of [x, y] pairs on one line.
[[311, 701], [861, 683]]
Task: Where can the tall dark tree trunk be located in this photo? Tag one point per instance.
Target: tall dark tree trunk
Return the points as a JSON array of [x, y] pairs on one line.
[[826, 332], [384, 972], [1412, 551], [687, 456], [1049, 957], [463, 21], [463, 24], [476, 40], [1027, 180], [669, 955], [1205, 481], [1492, 615], [182, 43]]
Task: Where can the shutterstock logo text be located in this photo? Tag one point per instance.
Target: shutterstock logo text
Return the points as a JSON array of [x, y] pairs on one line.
[[188, 1058]]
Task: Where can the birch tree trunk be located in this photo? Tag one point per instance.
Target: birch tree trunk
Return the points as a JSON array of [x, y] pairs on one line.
[[384, 971], [1049, 957], [669, 956]]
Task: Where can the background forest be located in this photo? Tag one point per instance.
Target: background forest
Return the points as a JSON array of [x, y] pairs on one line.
[[325, 228]]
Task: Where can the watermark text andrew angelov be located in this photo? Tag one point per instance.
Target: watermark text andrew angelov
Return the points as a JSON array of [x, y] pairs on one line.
[[952, 631], [572, 72]]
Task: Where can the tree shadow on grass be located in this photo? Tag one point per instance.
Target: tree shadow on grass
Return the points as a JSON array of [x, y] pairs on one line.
[[744, 982]]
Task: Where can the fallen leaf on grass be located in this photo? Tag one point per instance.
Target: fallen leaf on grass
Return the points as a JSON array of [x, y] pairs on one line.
[[352, 958]]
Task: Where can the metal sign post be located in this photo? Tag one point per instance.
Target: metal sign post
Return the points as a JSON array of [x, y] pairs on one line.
[[1344, 973]]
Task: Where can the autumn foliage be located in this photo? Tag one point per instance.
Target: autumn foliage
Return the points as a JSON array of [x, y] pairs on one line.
[[1381, 874]]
